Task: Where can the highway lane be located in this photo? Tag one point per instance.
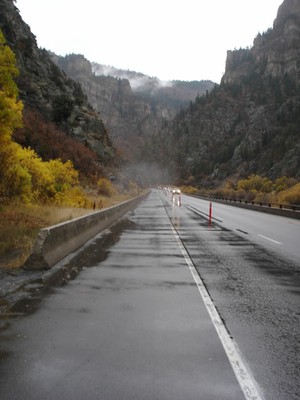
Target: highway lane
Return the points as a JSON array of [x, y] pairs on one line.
[[131, 326], [255, 286], [276, 233], [135, 326]]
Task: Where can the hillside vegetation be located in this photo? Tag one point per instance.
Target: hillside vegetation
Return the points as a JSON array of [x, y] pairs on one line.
[[24, 175], [258, 189], [249, 124], [32, 189]]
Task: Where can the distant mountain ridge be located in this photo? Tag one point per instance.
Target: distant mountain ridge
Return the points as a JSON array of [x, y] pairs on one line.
[[183, 91], [132, 105], [138, 81]]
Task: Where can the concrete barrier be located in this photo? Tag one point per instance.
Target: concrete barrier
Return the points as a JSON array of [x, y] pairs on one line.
[[56, 242]]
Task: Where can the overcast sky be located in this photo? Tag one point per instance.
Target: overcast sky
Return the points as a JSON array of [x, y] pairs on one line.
[[169, 39]]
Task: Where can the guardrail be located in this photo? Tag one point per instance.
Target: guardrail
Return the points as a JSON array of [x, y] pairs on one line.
[[287, 210], [259, 203], [56, 242]]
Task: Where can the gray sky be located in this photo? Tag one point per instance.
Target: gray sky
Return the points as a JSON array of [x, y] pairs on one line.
[[169, 39]]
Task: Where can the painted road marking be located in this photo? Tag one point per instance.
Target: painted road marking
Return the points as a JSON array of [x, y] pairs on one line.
[[243, 375], [267, 238], [240, 230]]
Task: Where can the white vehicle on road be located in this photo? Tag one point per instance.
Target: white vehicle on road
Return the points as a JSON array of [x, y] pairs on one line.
[[176, 196]]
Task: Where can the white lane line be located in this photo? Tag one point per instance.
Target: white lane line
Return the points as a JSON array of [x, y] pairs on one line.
[[270, 240], [243, 375]]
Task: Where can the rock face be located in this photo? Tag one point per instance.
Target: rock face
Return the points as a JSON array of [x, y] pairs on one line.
[[133, 106], [275, 53], [45, 88], [248, 124]]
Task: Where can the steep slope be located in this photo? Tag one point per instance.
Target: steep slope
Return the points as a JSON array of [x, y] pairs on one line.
[[51, 96], [133, 106], [170, 94], [248, 124]]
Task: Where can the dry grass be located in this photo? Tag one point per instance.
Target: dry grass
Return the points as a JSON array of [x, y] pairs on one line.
[[20, 224]]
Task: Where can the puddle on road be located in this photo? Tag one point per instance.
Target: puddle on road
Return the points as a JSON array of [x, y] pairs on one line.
[[27, 300], [98, 249]]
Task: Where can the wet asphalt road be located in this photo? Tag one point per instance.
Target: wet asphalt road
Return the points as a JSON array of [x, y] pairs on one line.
[[133, 326], [276, 233], [255, 284]]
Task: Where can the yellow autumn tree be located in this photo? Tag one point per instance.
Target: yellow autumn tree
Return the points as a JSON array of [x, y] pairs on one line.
[[10, 119], [23, 174], [66, 184], [10, 106]]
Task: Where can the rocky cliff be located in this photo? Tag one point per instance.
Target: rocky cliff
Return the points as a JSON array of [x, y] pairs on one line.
[[274, 53], [133, 106], [248, 124], [46, 90]]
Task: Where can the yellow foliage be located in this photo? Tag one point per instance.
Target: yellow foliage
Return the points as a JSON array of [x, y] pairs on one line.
[[15, 180], [10, 107], [23, 174], [71, 197], [26, 176], [290, 195], [255, 183], [189, 189], [42, 181], [65, 176], [259, 189], [106, 188], [283, 183]]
